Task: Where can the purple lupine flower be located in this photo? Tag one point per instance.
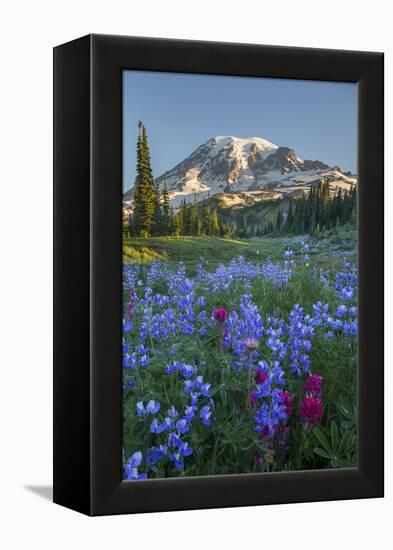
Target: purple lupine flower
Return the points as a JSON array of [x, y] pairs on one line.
[[205, 414], [152, 407], [157, 428], [131, 467]]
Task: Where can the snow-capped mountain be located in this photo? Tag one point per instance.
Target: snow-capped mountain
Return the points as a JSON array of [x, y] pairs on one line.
[[246, 170]]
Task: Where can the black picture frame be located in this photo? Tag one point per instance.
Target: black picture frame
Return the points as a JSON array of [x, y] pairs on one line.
[[87, 274]]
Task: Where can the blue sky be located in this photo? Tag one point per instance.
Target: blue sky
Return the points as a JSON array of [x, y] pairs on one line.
[[182, 111]]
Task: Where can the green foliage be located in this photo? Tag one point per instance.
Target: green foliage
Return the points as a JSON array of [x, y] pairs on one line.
[[167, 214], [146, 204], [206, 217], [194, 218], [215, 226], [336, 445], [320, 210]]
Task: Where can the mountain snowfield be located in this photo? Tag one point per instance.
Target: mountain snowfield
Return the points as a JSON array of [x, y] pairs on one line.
[[244, 171]]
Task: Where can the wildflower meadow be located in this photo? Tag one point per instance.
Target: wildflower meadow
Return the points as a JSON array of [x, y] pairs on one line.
[[243, 365]]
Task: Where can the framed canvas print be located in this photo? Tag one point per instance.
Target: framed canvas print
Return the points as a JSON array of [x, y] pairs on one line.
[[218, 275]]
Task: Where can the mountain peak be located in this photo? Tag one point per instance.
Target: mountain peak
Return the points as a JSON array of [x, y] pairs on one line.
[[225, 141], [245, 165], [244, 140]]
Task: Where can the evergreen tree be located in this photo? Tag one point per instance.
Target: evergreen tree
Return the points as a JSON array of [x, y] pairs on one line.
[[186, 218], [130, 226], [144, 187], [290, 218], [206, 218], [179, 221], [215, 227], [279, 221], [165, 211], [174, 227], [313, 224], [194, 218], [138, 206], [157, 219]]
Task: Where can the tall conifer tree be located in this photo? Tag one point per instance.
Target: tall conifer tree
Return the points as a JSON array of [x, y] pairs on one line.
[[194, 217], [290, 218], [215, 227], [279, 220], [206, 221], [144, 188], [174, 226], [165, 210]]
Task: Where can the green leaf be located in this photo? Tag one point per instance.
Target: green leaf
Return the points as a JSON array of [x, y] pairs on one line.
[[321, 452], [343, 442], [334, 435], [345, 463], [322, 439], [346, 424]]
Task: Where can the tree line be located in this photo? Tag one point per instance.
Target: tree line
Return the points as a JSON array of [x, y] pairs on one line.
[[318, 210], [191, 219]]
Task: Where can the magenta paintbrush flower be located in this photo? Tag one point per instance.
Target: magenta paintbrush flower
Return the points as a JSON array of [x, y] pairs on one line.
[[219, 314], [313, 385], [310, 411]]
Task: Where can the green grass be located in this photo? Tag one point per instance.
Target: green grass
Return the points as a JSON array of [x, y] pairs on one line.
[[142, 254], [324, 251], [215, 250]]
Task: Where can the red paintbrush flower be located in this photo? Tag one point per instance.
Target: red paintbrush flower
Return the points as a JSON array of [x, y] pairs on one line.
[[310, 411], [219, 314]]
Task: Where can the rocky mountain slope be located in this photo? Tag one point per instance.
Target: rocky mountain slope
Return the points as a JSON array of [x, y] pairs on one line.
[[246, 170]]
